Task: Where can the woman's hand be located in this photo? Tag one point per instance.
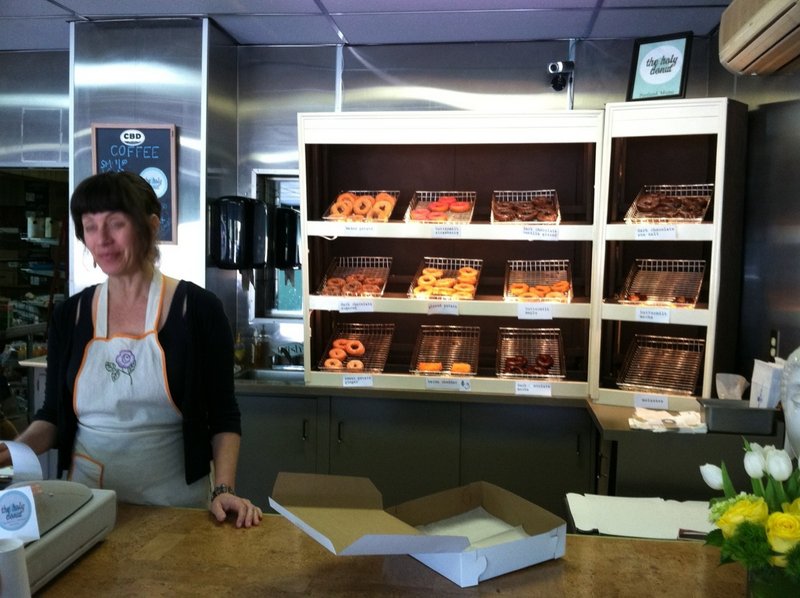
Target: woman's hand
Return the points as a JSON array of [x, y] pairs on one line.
[[247, 514]]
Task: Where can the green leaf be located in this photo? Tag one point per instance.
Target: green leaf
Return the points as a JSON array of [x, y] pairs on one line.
[[727, 485], [715, 538]]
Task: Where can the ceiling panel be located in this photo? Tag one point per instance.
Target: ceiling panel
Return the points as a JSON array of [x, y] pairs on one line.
[[44, 24]]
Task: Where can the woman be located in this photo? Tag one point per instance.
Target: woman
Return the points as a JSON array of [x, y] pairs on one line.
[[140, 395]]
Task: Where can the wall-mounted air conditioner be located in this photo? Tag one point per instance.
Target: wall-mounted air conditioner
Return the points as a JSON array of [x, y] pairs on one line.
[[757, 37]]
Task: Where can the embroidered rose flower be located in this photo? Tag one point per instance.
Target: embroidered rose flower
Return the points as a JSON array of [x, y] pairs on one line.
[[126, 359], [124, 363]]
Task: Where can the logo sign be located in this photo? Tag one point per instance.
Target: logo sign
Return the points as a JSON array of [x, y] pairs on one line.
[[131, 137], [16, 510]]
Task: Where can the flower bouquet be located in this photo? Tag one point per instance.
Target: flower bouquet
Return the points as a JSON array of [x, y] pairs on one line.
[[759, 529]]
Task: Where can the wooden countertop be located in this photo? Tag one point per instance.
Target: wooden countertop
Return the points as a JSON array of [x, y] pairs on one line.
[[182, 552]]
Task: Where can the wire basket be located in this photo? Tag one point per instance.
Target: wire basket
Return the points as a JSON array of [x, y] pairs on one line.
[[363, 206], [446, 278], [671, 283], [670, 203], [530, 353], [376, 339], [356, 276], [538, 281], [435, 207], [445, 350], [531, 207], [662, 364]]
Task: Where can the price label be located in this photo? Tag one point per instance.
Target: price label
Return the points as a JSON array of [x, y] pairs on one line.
[[356, 305], [651, 314], [530, 388], [351, 381], [443, 308], [649, 401], [534, 311], [660, 232], [446, 231], [455, 384], [359, 229], [540, 232]]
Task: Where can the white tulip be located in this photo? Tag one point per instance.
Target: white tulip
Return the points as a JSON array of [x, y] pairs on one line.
[[754, 464], [712, 475], [779, 465]]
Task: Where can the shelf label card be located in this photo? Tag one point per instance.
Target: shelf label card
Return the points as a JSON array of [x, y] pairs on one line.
[[356, 305], [649, 401], [653, 314], [534, 311], [350, 381], [660, 232], [541, 232], [443, 308], [457, 384], [446, 231], [360, 229], [537, 389]]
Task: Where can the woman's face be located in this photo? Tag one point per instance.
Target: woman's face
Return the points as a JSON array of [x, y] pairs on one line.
[[111, 239]]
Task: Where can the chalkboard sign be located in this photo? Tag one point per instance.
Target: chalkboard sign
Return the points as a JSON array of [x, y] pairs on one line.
[[149, 151]]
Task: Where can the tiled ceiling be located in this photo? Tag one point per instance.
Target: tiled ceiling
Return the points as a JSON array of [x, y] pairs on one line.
[[44, 24]]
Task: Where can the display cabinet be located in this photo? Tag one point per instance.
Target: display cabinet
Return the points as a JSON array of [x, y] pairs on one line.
[[668, 250], [479, 160]]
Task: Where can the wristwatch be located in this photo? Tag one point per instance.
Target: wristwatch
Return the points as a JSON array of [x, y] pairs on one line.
[[222, 489]]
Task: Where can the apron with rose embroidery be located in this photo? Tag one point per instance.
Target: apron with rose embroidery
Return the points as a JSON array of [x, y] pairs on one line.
[[130, 436]]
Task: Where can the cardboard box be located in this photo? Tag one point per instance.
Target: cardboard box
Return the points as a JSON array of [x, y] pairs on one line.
[[346, 515]]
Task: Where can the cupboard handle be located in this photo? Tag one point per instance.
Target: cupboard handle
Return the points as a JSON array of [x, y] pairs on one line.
[[304, 436], [339, 432]]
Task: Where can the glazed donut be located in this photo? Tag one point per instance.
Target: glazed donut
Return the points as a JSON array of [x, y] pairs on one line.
[[543, 288], [442, 291], [544, 360], [435, 272], [355, 348], [445, 282], [337, 353], [517, 288], [340, 343], [473, 280], [422, 292], [464, 287], [346, 196], [380, 210], [530, 294], [363, 205], [342, 208], [460, 206], [555, 295], [467, 271], [332, 363], [561, 285], [383, 196], [355, 364], [427, 280], [462, 295], [335, 282]]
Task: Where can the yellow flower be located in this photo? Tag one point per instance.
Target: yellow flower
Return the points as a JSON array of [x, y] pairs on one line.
[[792, 508], [783, 533], [753, 509]]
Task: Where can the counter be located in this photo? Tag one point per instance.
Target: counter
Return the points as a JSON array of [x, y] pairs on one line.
[[181, 552]]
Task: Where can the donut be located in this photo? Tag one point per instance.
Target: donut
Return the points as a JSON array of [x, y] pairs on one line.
[[467, 271], [351, 288], [355, 348], [340, 343], [460, 367], [363, 205], [530, 294], [419, 214], [376, 280], [335, 282], [448, 199], [473, 280], [561, 285], [648, 202], [350, 278], [342, 208], [503, 216], [355, 364], [442, 291], [460, 206], [554, 295], [517, 288], [429, 366], [337, 353], [380, 210], [437, 216], [427, 280], [547, 215], [435, 272], [462, 294], [464, 287], [445, 282], [422, 292], [383, 196], [370, 289], [527, 216], [346, 196], [516, 361], [332, 363], [331, 290], [438, 206], [542, 202], [544, 360]]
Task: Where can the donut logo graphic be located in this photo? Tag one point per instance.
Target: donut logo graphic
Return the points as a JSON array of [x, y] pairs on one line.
[[15, 510]]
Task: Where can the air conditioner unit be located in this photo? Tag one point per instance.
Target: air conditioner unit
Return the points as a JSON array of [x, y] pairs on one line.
[[757, 37]]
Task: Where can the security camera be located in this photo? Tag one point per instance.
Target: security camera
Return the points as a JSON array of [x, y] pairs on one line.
[[563, 66], [559, 81]]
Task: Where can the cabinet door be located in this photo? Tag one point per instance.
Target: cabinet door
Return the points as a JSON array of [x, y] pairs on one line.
[[278, 434], [540, 453], [407, 448]]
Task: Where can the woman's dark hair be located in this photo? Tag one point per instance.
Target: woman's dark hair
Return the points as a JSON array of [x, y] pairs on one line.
[[119, 192]]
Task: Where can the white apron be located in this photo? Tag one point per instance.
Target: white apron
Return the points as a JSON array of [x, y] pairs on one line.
[[129, 435]]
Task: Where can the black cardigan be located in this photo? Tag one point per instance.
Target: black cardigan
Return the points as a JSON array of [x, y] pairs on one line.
[[198, 347]]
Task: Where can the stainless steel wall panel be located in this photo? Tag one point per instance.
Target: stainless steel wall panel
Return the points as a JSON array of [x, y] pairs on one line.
[[274, 85], [34, 109]]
